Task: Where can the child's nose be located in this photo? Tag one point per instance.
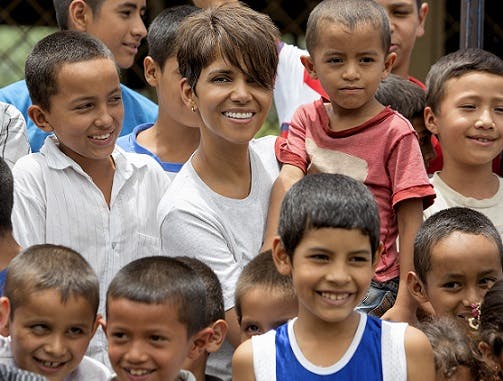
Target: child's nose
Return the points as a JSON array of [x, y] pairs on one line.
[[351, 72], [104, 119], [338, 273], [56, 346], [472, 296], [135, 353], [138, 29], [485, 120]]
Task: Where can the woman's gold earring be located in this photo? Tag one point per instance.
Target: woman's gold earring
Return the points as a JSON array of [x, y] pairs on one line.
[[193, 108]]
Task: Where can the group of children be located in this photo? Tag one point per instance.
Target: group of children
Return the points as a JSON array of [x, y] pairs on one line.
[[164, 245]]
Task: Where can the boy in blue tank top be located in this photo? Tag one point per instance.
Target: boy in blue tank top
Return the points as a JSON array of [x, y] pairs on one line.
[[329, 244]]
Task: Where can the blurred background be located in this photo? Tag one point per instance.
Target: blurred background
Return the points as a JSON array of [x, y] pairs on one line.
[[24, 22]]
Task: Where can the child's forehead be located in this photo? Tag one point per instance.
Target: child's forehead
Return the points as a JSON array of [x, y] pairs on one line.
[[362, 36], [461, 248]]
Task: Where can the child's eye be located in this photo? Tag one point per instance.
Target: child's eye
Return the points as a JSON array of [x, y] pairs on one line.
[[84, 107], [401, 12], [452, 285], [359, 258], [157, 338], [75, 331], [334, 60], [39, 329], [499, 109], [119, 336], [253, 329], [115, 99], [367, 60], [125, 13], [319, 257], [467, 107], [486, 282]]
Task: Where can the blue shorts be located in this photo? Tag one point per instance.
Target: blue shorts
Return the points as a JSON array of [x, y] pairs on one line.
[[380, 297]]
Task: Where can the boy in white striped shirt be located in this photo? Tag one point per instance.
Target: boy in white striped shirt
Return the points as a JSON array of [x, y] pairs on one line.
[[80, 190]]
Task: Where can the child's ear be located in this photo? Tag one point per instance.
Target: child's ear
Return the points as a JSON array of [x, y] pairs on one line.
[[416, 288], [78, 15], [188, 94], [199, 343], [217, 338], [151, 71], [308, 64], [102, 322], [388, 64], [39, 117], [280, 257], [4, 313], [97, 323], [430, 120]]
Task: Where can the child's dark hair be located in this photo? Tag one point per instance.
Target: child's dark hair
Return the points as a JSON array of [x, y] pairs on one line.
[[350, 14], [455, 65], [261, 272], [6, 197], [452, 347], [46, 267], [326, 200], [491, 318], [51, 53], [401, 95], [441, 225], [214, 297], [62, 8], [163, 30], [159, 280], [243, 37]]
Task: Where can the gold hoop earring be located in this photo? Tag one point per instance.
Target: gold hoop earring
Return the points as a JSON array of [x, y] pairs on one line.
[[193, 108]]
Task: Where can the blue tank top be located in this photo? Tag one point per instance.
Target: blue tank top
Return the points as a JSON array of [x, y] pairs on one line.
[[362, 360]]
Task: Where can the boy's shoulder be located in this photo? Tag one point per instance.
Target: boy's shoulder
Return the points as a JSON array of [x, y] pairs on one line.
[[16, 94], [89, 369]]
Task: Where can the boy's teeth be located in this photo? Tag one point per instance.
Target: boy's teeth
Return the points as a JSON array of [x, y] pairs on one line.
[[238, 115], [138, 372], [51, 364], [102, 137], [332, 296]]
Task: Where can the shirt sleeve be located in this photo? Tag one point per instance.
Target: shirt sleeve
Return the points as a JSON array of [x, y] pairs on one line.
[[292, 150], [29, 211], [13, 136], [407, 172], [186, 233]]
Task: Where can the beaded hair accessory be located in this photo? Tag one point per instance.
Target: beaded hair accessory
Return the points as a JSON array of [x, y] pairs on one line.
[[474, 321]]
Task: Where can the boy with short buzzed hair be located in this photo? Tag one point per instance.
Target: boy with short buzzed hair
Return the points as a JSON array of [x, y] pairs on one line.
[[50, 306], [174, 135], [353, 133], [464, 109], [79, 190], [458, 255], [409, 100], [329, 244], [154, 320], [217, 347], [265, 299], [119, 25]]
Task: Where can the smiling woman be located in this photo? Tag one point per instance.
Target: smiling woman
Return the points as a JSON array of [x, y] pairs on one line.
[[227, 56]]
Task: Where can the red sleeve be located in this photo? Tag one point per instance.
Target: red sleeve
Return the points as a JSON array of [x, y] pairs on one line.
[[292, 150], [407, 172]]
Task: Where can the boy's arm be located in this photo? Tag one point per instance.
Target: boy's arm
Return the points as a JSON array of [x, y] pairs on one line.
[[410, 217], [288, 176], [420, 363], [242, 363]]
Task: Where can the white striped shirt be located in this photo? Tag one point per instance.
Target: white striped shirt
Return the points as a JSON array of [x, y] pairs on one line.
[[56, 202], [13, 136]]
